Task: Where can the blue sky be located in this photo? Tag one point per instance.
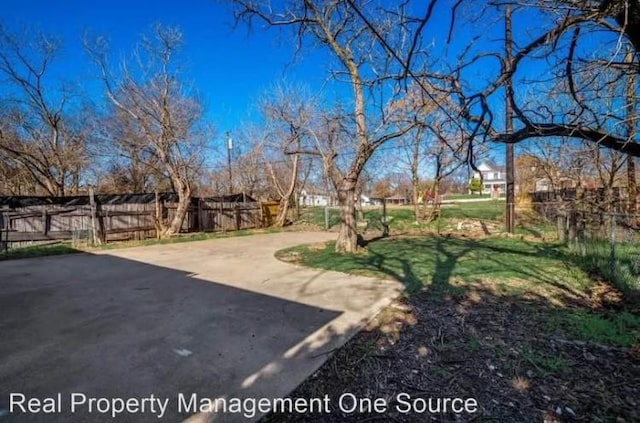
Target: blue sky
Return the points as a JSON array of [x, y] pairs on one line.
[[230, 67]]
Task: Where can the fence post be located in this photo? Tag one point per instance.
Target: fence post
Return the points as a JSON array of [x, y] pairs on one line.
[[612, 242], [157, 215], [200, 216], [261, 223], [580, 237], [561, 227], [94, 220], [572, 230], [326, 218], [385, 219], [5, 226], [223, 223], [44, 221]]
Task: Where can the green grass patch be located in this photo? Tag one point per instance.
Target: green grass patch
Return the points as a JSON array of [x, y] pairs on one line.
[[620, 329], [402, 217], [474, 343], [435, 262], [38, 251], [465, 196], [315, 215], [484, 210], [198, 236], [620, 265], [544, 362]]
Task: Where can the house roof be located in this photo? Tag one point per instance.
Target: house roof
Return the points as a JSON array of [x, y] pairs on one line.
[[491, 167]]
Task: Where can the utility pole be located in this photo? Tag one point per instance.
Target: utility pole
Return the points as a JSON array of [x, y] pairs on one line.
[[632, 183], [510, 212], [229, 148]]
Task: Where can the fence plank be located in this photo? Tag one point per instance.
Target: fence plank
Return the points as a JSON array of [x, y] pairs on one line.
[[13, 236], [123, 216]]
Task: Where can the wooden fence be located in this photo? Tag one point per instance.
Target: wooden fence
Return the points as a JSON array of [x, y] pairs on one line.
[[116, 217]]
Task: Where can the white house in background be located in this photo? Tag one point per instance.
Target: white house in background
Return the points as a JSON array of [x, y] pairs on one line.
[[309, 198], [493, 177]]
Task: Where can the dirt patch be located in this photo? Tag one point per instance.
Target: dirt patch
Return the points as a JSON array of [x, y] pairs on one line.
[[290, 257], [478, 228], [604, 296], [500, 350]]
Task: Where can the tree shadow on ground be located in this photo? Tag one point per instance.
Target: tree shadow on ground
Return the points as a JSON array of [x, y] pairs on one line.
[[438, 263], [546, 351], [511, 353]]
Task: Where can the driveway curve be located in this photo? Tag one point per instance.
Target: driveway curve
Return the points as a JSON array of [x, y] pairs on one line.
[[206, 319]]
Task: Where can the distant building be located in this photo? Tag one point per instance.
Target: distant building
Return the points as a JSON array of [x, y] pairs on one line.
[[493, 178], [546, 184], [397, 199], [309, 198], [394, 199]]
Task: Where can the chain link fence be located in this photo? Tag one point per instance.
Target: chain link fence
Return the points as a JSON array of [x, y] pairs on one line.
[[609, 245], [600, 227]]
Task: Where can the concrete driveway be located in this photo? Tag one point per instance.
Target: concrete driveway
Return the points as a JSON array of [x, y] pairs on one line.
[[218, 319]]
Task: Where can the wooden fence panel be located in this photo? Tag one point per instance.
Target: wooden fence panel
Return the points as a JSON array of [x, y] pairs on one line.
[[209, 218], [249, 216], [117, 220], [30, 221]]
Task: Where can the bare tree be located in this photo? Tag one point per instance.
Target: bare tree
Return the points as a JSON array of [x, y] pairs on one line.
[[436, 141], [289, 113], [165, 117], [448, 156], [334, 26], [39, 132], [632, 129], [14, 179], [129, 164], [563, 163], [575, 102], [413, 145], [609, 165], [564, 42], [250, 167]]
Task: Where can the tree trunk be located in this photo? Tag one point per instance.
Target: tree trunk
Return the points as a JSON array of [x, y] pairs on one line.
[[358, 204], [285, 197], [416, 197], [348, 236], [632, 186], [435, 206], [184, 200], [632, 183], [283, 210]]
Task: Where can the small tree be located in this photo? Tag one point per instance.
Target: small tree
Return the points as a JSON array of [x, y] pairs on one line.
[[475, 185], [164, 116], [40, 135], [335, 26], [289, 112]]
